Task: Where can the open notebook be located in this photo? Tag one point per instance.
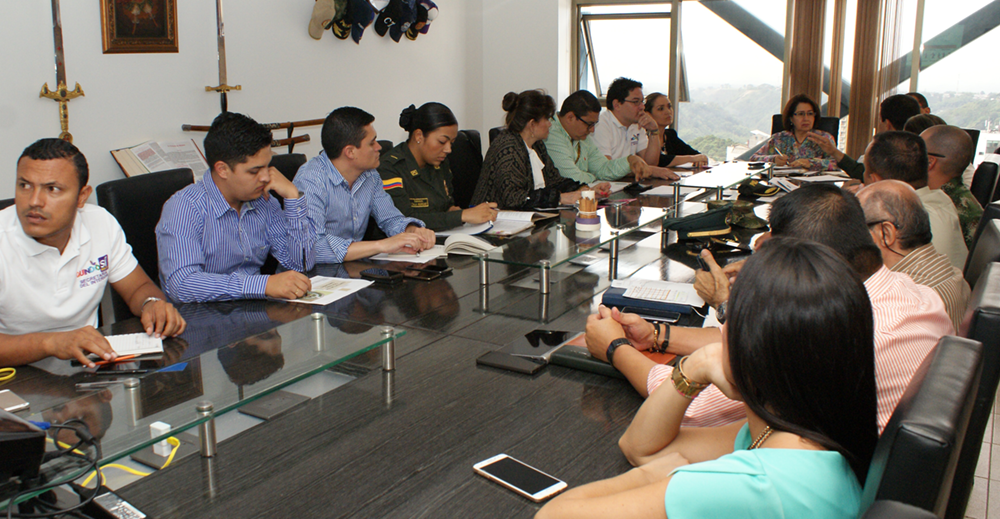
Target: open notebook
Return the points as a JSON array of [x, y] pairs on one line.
[[466, 245], [508, 223]]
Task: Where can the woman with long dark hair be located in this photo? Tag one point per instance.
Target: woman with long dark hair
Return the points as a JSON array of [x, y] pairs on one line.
[[517, 171], [674, 152], [797, 350], [417, 175]]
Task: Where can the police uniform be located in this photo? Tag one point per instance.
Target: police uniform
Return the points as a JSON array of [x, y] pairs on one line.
[[424, 193]]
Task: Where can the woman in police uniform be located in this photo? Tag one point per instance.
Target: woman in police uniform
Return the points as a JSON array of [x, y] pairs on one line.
[[416, 173]]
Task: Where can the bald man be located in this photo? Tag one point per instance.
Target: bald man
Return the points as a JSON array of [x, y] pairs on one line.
[[949, 152], [903, 156], [901, 229]]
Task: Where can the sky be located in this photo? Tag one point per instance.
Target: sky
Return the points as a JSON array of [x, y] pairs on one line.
[[717, 54]]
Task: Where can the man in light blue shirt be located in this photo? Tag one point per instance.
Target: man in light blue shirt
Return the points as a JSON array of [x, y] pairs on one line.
[[343, 189], [574, 154], [214, 235]]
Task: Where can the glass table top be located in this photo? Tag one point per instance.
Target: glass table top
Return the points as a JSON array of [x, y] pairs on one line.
[[724, 175], [221, 358], [560, 242]]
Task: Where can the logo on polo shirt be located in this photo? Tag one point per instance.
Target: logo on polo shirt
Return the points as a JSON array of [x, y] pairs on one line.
[[96, 272]]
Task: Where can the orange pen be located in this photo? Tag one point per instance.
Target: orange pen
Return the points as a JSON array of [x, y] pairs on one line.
[[115, 360]]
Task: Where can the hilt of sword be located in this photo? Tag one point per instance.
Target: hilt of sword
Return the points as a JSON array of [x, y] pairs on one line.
[[223, 88], [62, 95]]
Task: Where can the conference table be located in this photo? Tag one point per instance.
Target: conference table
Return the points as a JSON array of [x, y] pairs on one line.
[[383, 443]]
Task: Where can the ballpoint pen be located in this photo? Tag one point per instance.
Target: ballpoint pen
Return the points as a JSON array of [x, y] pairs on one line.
[[115, 360]]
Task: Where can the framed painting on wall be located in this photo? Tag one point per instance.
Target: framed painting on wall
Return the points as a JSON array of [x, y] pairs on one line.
[[131, 26]]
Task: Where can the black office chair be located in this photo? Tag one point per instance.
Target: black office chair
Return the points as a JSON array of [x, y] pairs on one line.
[[386, 147], [985, 249], [466, 161], [136, 203], [984, 183], [896, 510], [6, 202], [916, 455], [974, 135], [494, 132], [829, 125], [288, 164], [981, 323]]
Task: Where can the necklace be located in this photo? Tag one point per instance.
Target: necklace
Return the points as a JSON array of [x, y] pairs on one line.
[[761, 438]]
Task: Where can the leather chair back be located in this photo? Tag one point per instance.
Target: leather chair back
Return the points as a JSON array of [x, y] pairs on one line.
[[386, 146], [985, 249], [288, 164], [829, 125], [991, 211], [916, 456], [981, 323], [974, 135], [466, 161], [984, 182], [494, 132], [6, 202], [136, 202], [896, 510]]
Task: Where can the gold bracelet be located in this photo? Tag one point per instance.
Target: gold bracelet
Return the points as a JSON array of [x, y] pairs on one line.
[[656, 336]]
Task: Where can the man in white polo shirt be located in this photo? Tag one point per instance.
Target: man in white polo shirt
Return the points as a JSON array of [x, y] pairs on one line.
[[57, 255], [622, 129]]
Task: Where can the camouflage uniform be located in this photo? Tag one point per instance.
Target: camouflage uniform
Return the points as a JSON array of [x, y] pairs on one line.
[[968, 208]]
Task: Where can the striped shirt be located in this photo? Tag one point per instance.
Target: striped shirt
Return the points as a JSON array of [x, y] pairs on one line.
[[340, 212], [929, 268], [909, 321], [209, 252]]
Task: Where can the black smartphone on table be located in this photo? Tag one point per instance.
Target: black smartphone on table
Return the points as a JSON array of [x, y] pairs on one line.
[[383, 276]]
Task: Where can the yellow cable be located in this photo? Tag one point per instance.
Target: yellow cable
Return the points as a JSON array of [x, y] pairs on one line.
[[7, 374], [172, 441]]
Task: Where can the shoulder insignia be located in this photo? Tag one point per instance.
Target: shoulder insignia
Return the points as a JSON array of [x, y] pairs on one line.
[[392, 183], [414, 172]]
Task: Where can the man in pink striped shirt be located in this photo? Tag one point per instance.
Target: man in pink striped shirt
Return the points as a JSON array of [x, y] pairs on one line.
[[909, 318]]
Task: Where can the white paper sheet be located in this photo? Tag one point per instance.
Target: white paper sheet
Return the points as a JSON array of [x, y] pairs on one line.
[[422, 257], [326, 290], [135, 344]]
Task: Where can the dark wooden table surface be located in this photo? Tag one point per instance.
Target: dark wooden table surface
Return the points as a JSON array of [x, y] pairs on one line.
[[402, 444]]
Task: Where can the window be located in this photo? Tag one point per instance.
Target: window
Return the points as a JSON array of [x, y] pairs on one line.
[[630, 40], [958, 77], [735, 84]]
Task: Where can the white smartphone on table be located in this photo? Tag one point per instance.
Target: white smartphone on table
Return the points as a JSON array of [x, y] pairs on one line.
[[519, 477]]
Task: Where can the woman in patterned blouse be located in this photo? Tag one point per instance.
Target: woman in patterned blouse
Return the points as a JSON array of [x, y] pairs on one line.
[[791, 147]]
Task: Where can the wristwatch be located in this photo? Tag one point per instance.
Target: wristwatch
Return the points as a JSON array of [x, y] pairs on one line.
[[720, 312], [685, 386], [613, 346]]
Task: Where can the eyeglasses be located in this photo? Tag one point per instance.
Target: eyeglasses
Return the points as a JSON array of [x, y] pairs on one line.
[[804, 114], [588, 123], [636, 102], [938, 155]]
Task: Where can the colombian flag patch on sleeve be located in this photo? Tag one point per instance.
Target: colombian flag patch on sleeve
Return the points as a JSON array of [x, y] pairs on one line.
[[392, 183]]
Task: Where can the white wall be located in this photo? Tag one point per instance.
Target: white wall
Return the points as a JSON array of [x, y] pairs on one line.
[[476, 51], [520, 40]]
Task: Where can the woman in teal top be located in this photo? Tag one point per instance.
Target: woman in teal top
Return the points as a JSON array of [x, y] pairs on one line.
[[797, 350]]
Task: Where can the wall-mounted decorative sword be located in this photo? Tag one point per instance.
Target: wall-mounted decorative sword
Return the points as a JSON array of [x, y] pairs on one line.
[[61, 94], [223, 87]]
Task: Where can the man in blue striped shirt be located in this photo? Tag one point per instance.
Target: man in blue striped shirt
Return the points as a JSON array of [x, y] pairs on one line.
[[214, 235], [343, 189]]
